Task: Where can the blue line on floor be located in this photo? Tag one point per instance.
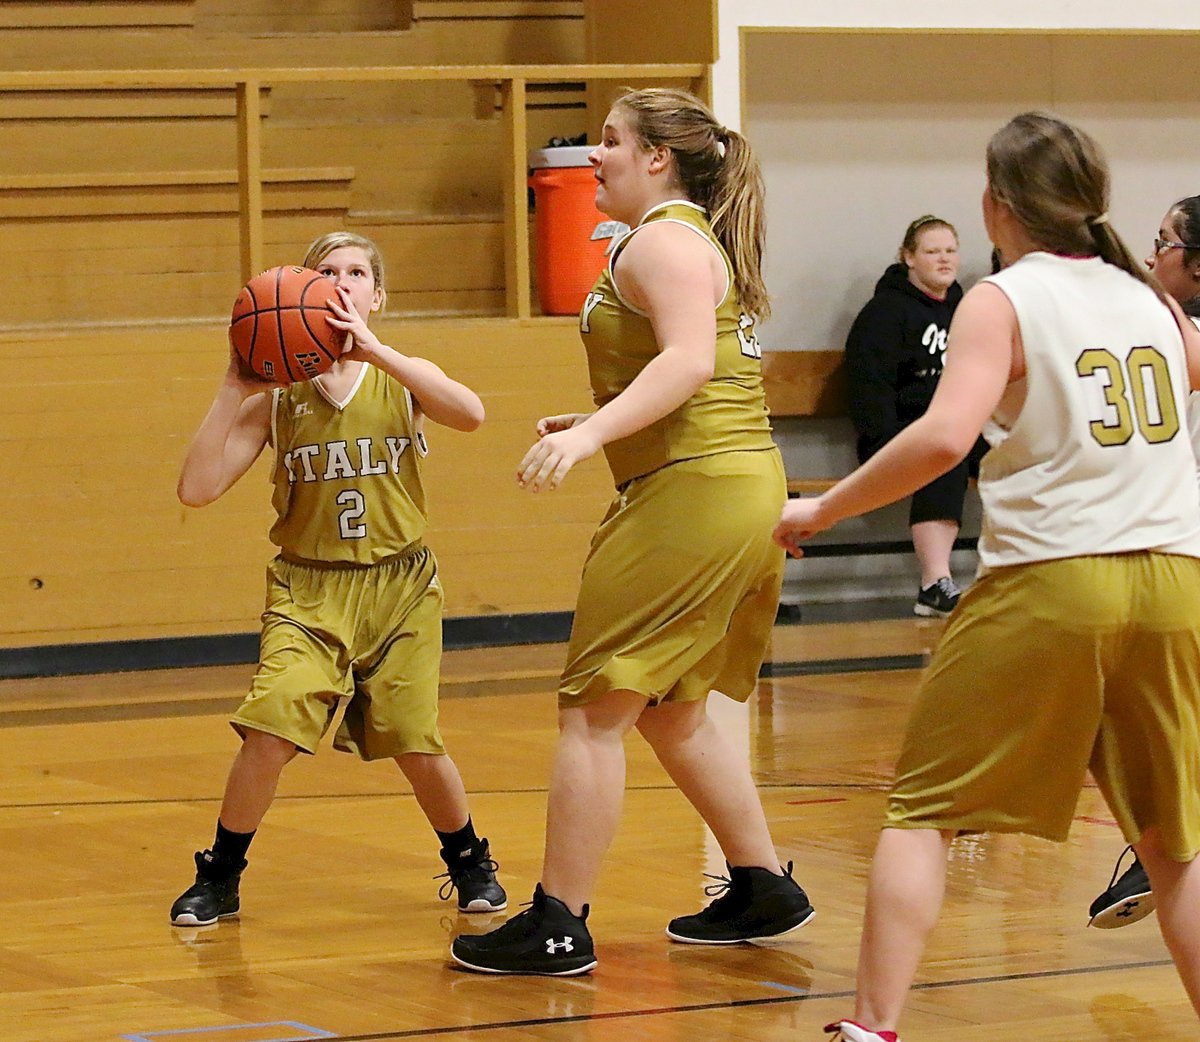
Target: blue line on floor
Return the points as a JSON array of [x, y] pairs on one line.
[[178, 1033], [783, 987]]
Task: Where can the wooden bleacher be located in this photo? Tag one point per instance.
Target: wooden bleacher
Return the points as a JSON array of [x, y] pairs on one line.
[[142, 143]]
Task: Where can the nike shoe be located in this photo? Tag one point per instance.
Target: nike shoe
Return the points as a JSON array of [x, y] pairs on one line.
[[213, 896], [937, 600], [472, 872]]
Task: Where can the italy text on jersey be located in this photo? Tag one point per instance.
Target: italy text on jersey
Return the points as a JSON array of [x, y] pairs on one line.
[[334, 460]]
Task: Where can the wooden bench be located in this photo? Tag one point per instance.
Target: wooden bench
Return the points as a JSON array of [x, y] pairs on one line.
[[813, 383], [805, 383]]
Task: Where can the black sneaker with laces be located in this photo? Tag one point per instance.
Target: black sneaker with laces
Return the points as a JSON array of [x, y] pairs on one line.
[[546, 939], [213, 896], [750, 905], [937, 600], [472, 872], [1126, 900]]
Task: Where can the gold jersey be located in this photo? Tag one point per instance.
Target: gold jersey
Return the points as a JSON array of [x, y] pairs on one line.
[[727, 414], [347, 474]]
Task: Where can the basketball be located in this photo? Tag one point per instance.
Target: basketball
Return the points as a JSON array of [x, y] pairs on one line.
[[278, 324]]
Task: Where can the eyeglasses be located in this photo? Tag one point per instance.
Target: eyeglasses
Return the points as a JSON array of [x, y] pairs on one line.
[[1166, 244]]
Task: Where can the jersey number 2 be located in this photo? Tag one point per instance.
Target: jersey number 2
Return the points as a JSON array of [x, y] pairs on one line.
[[1148, 385], [353, 507]]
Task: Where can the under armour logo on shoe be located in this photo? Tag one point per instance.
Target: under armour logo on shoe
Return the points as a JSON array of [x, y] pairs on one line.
[[1127, 909], [564, 945]]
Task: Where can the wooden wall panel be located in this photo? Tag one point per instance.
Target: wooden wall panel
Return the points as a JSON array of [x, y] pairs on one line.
[[260, 16], [90, 14], [95, 545], [230, 34], [635, 31]]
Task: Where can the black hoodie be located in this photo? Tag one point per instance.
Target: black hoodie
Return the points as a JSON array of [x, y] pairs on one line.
[[894, 357]]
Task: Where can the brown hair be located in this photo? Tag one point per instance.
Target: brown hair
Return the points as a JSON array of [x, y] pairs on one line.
[[326, 244], [1054, 178], [717, 170], [913, 233], [1187, 220]]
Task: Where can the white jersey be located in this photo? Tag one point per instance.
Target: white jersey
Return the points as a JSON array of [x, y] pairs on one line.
[[1090, 452], [1193, 415]]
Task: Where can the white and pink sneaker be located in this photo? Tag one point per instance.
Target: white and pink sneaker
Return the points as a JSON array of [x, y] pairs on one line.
[[848, 1031]]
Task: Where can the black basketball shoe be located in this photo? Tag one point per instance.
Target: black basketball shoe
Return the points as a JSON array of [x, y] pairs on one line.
[[1127, 900], [546, 939], [938, 599], [752, 904], [472, 872], [213, 896]]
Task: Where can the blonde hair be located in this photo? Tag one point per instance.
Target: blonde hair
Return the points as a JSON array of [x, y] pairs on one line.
[[912, 234], [326, 244], [717, 170], [1054, 178]]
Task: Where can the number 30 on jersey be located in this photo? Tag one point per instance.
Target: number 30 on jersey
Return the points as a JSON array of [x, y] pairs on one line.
[[1137, 394]]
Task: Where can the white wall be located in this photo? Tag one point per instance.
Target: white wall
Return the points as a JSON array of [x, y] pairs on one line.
[[861, 132], [864, 123]]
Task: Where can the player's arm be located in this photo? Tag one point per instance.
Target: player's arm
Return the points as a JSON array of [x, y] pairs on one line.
[[667, 272], [229, 439], [983, 356], [1191, 343], [436, 395]]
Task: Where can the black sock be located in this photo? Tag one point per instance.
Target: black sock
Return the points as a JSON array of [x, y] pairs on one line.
[[454, 843], [230, 848]]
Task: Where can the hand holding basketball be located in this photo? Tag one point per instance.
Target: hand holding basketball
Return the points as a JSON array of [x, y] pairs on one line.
[[280, 325], [360, 342], [239, 375]]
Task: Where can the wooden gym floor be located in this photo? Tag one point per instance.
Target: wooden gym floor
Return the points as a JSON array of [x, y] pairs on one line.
[[109, 783]]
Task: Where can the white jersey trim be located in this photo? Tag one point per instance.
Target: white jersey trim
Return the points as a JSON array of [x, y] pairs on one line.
[[274, 430], [362, 375], [612, 260], [418, 430]]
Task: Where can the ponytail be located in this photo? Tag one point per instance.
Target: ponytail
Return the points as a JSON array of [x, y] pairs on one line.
[[717, 170], [736, 210]]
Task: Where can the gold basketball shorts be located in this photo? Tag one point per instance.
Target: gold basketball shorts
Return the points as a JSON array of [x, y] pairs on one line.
[[1050, 669], [681, 585], [371, 635]]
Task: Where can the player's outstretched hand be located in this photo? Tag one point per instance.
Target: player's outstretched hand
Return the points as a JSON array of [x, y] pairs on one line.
[[550, 459], [562, 422], [801, 519]]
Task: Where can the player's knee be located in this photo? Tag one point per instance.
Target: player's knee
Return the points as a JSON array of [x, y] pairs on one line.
[[268, 748], [672, 722]]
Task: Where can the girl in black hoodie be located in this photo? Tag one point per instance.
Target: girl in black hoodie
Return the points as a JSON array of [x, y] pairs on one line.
[[893, 361]]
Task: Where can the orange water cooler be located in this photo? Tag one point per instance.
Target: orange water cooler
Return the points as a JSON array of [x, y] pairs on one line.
[[566, 219]]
